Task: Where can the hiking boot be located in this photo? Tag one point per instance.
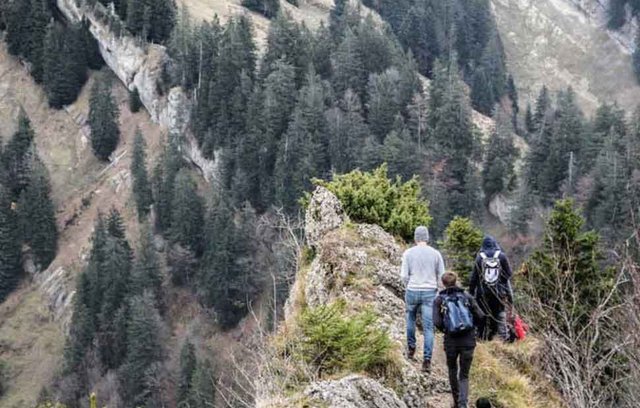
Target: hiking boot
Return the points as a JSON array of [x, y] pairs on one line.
[[411, 351], [426, 366]]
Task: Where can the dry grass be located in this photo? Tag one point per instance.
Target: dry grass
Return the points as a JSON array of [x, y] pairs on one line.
[[30, 343], [505, 374]]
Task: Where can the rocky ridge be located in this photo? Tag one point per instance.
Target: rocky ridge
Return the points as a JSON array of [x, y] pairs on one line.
[[359, 263]]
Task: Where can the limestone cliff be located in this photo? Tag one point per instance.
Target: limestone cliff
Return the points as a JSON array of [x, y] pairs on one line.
[[139, 66]]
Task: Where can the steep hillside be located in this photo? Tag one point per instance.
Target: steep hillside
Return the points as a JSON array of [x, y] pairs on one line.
[[357, 264], [33, 319], [564, 43]]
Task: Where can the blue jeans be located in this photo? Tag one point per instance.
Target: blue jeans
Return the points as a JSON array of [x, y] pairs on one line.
[[422, 299]]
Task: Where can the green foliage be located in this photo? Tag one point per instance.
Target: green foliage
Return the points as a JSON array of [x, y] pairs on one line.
[[65, 64], [187, 216], [498, 170], [141, 185], [134, 101], [269, 8], [152, 20], [188, 363], [462, 241], [146, 275], [18, 157], [203, 390], [103, 119], [10, 249], [36, 217], [335, 342], [566, 271], [144, 349], [163, 183], [228, 279], [373, 198], [26, 26]]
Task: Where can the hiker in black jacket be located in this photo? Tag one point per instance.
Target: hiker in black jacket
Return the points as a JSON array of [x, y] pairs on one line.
[[458, 347], [490, 284]]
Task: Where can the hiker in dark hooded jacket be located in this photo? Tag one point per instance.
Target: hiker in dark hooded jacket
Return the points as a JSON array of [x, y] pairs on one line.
[[490, 284], [459, 346]]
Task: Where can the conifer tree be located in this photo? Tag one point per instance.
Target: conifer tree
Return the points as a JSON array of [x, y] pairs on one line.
[[203, 391], [64, 63], [144, 349], [146, 275], [164, 177], [134, 101], [141, 184], [10, 251], [348, 67], [498, 171], [304, 148], [461, 244], [93, 55], [153, 20], [399, 152], [528, 119], [103, 120], [187, 212], [384, 102], [36, 23], [269, 8], [36, 216], [188, 363], [286, 42], [347, 131], [18, 157]]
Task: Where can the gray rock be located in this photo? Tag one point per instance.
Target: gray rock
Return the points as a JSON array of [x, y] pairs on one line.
[[354, 391], [324, 214]]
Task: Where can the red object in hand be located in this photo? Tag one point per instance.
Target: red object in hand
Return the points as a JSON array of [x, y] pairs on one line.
[[520, 328]]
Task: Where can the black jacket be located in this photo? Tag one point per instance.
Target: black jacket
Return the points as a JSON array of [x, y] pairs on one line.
[[460, 340], [476, 288]]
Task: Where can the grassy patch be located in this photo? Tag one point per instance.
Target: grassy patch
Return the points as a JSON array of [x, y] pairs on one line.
[[505, 380]]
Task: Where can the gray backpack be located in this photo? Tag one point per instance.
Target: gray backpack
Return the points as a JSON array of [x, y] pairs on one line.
[[491, 268]]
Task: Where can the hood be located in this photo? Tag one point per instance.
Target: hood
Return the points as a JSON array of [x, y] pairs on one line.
[[489, 245]]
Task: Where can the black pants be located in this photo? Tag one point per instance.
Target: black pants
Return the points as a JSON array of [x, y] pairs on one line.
[[459, 361], [495, 321]]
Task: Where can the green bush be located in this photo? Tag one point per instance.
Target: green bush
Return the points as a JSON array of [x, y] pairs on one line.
[[334, 342], [462, 241], [134, 101], [372, 197]]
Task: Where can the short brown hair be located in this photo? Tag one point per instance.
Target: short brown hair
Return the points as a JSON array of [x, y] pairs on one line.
[[449, 279]]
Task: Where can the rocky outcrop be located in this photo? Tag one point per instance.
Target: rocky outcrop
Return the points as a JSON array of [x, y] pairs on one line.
[[139, 66], [354, 391], [597, 10], [359, 263]]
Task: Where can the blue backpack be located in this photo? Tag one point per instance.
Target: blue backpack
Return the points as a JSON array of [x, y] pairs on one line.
[[456, 313]]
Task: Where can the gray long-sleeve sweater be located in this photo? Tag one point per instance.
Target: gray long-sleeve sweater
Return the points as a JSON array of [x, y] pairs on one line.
[[422, 268]]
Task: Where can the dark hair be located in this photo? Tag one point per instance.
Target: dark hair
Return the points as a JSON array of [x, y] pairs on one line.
[[483, 403], [449, 279]]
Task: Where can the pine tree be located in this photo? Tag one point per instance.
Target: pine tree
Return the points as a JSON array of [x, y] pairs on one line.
[[203, 391], [286, 43], [134, 101], [18, 157], [36, 217], [153, 20], [528, 119], [348, 67], [64, 64], [384, 102], [81, 329], [489, 78], [10, 268], [636, 57], [36, 22], [103, 120], [347, 131], [617, 14], [513, 96], [543, 107], [144, 349], [146, 275], [269, 8], [188, 363], [498, 171], [337, 18], [187, 212], [164, 177], [90, 45], [141, 185], [461, 244], [304, 148], [399, 152]]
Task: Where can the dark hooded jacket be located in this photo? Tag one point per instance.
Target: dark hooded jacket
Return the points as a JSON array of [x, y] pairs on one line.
[[476, 286]]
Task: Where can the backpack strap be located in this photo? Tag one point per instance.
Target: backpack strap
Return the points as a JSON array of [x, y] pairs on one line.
[[483, 255], [496, 255]]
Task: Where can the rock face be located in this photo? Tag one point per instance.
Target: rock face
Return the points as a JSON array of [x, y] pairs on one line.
[[359, 264], [561, 43], [139, 66], [355, 391]]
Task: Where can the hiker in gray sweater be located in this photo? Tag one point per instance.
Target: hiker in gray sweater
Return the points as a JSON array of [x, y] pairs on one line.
[[422, 269]]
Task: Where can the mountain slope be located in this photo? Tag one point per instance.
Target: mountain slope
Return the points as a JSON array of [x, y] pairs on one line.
[[561, 43]]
